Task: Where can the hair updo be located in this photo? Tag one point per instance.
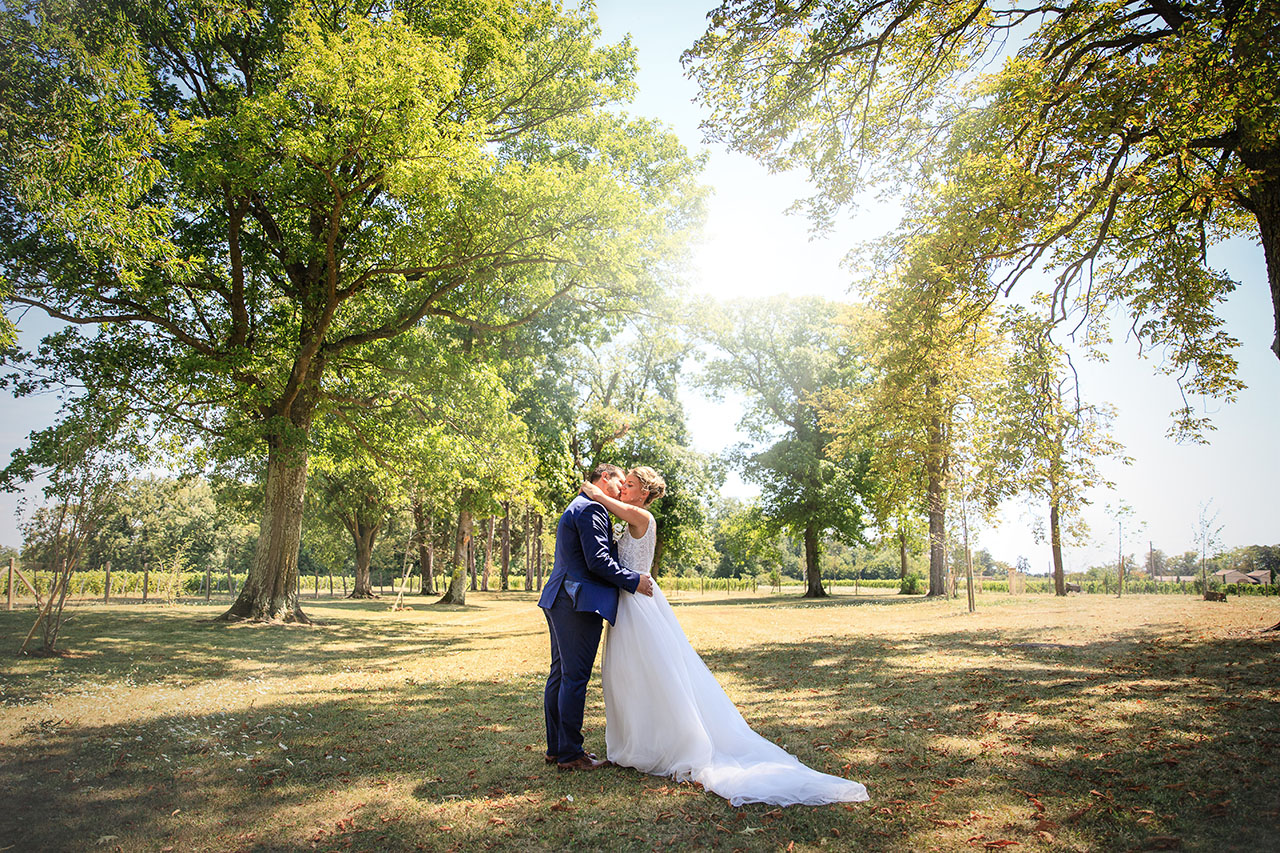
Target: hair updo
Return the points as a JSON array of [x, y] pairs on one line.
[[651, 481]]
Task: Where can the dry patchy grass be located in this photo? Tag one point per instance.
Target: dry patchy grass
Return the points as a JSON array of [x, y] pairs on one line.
[[1089, 723]]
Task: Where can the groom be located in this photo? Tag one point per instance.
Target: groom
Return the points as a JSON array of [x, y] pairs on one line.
[[581, 591]]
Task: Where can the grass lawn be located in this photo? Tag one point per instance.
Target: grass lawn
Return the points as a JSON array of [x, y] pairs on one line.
[[1086, 723]]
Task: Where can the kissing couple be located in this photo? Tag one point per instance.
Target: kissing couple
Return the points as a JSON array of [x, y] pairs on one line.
[[665, 713]]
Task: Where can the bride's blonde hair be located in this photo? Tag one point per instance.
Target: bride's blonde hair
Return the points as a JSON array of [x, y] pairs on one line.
[[652, 482]]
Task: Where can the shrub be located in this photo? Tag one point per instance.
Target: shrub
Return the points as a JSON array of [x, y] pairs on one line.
[[911, 584]]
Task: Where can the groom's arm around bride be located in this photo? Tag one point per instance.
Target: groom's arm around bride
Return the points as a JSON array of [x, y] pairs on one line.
[[596, 538]]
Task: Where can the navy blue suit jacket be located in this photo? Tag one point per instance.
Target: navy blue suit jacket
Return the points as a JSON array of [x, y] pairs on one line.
[[586, 562]]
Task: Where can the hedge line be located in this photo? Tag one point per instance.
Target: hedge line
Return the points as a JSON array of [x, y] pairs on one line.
[[162, 584]]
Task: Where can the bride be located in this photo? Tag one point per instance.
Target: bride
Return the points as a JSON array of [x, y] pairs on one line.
[[665, 713]]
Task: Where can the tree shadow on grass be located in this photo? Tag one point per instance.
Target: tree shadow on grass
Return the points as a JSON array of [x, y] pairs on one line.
[[1117, 741], [167, 648], [409, 767], [239, 779]]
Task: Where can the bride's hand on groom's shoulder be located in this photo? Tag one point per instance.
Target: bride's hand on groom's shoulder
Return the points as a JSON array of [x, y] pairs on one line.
[[591, 490]]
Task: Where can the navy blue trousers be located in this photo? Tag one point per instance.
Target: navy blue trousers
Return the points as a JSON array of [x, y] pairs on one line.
[[574, 639]]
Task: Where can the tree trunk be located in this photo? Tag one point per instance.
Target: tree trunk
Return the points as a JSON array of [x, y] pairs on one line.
[[506, 545], [902, 552], [937, 539], [471, 563], [659, 548], [1055, 545], [270, 590], [488, 553], [426, 563], [812, 573], [968, 560], [936, 466], [363, 535], [457, 591], [1264, 203], [527, 542]]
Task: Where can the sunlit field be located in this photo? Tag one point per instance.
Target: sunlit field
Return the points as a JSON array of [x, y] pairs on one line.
[[1086, 723]]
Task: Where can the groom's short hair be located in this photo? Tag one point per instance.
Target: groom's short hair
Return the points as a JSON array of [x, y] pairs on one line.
[[602, 469]]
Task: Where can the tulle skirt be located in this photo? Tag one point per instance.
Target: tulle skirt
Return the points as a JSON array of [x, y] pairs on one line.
[[665, 714]]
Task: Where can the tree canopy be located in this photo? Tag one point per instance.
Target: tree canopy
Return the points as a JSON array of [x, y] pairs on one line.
[[1111, 141], [232, 206]]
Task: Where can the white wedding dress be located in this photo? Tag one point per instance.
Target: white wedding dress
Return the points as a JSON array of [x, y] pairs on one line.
[[666, 714]]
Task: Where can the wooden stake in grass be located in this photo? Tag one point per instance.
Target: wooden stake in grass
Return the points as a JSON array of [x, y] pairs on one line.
[[968, 556], [537, 545]]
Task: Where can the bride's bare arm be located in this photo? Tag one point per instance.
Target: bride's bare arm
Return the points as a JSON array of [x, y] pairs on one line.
[[637, 518]]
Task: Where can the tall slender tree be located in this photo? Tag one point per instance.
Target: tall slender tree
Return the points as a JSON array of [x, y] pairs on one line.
[[1049, 437], [82, 461]]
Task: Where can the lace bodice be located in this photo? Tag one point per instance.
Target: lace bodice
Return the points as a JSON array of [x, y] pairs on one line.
[[637, 554]]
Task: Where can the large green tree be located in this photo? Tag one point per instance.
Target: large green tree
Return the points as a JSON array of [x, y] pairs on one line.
[[628, 413], [156, 520], [229, 205], [782, 355], [1113, 140]]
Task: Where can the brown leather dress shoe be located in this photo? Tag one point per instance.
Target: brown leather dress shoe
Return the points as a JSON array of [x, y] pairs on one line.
[[582, 762], [551, 759]]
